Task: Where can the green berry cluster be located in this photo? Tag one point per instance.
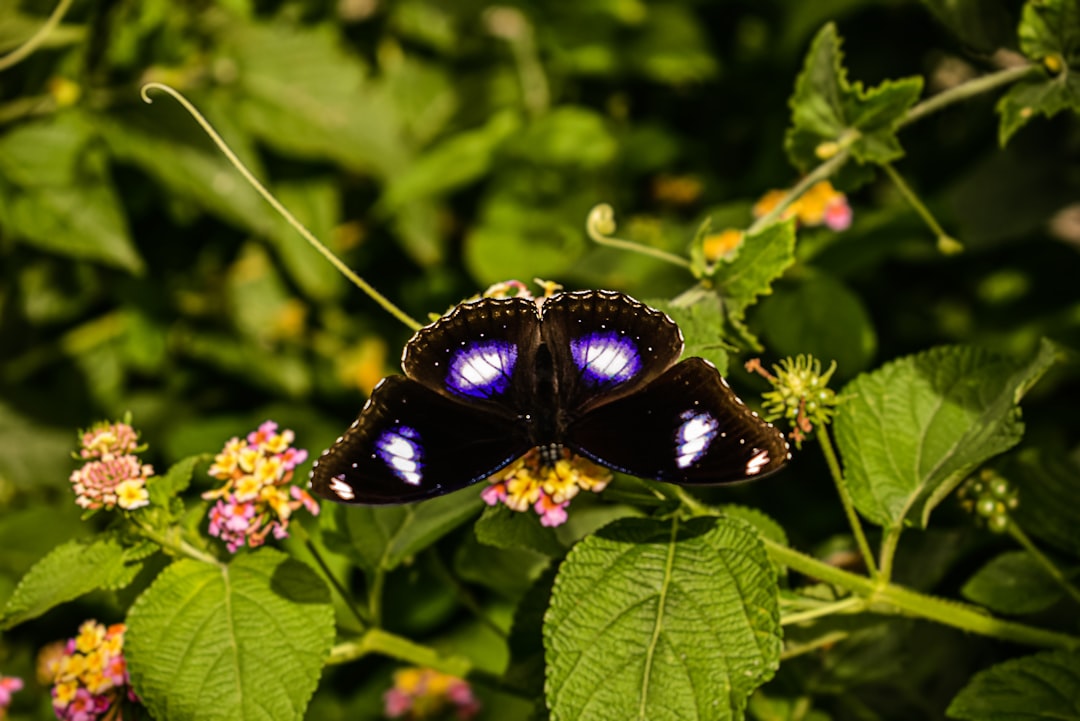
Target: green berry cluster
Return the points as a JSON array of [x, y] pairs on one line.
[[990, 498]]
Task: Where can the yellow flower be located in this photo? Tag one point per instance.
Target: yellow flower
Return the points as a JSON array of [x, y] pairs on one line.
[[560, 482], [278, 500], [247, 488], [225, 462], [90, 636], [717, 246], [408, 680], [522, 490], [132, 494], [65, 693], [268, 469]]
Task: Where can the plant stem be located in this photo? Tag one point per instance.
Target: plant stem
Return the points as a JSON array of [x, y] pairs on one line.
[[306, 234], [177, 545], [375, 593], [341, 591], [889, 598], [1022, 538], [852, 603], [462, 594], [375, 640], [601, 224], [944, 239], [963, 91], [24, 50], [888, 552], [799, 649], [845, 499]]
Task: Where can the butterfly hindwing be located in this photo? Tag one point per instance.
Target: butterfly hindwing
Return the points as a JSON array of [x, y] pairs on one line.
[[605, 345], [686, 426], [482, 353], [411, 443]]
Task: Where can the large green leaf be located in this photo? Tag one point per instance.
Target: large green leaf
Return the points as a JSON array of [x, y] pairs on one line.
[[913, 429], [1043, 686], [247, 640], [827, 109], [662, 620], [384, 536], [56, 193], [69, 571], [1050, 35], [1013, 582]]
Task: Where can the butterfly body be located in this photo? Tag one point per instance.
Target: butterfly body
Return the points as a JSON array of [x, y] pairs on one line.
[[591, 371]]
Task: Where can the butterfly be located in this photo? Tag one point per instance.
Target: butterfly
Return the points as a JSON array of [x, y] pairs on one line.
[[593, 371]]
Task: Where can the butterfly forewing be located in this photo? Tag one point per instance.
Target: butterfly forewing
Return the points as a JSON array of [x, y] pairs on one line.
[[411, 443], [605, 345], [482, 353], [686, 426]]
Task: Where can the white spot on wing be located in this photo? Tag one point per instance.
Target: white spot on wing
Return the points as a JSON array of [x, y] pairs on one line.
[[341, 489], [758, 462]]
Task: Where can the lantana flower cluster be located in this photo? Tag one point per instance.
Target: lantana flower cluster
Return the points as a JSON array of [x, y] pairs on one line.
[[8, 686], [822, 204], [533, 482], [424, 693], [112, 474], [257, 498], [90, 677]]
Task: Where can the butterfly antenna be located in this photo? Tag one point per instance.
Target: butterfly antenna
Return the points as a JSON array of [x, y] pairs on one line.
[[306, 234]]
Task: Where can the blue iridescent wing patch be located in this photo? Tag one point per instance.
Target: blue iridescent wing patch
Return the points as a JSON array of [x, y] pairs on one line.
[[483, 369]]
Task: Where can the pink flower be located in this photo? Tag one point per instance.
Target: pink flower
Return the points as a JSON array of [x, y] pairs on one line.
[[8, 686], [396, 703], [551, 513], [494, 494], [838, 214]]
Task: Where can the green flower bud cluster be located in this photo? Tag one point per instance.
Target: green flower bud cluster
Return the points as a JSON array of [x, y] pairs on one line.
[[800, 395], [990, 498]]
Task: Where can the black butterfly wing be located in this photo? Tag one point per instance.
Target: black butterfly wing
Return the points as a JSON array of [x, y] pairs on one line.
[[604, 345], [411, 443], [482, 353], [686, 426]]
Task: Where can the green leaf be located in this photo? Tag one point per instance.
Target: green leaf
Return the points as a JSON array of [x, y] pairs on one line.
[[1014, 582], [384, 536], [460, 159], [821, 316], [762, 258], [175, 481], [301, 92], [827, 109], [507, 571], [765, 526], [702, 326], [1050, 36], [662, 620], [1049, 484], [247, 640], [569, 136], [500, 527], [1043, 686], [56, 193], [69, 571], [915, 428]]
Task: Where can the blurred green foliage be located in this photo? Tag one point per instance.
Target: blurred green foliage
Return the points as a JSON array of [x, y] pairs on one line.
[[441, 147]]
